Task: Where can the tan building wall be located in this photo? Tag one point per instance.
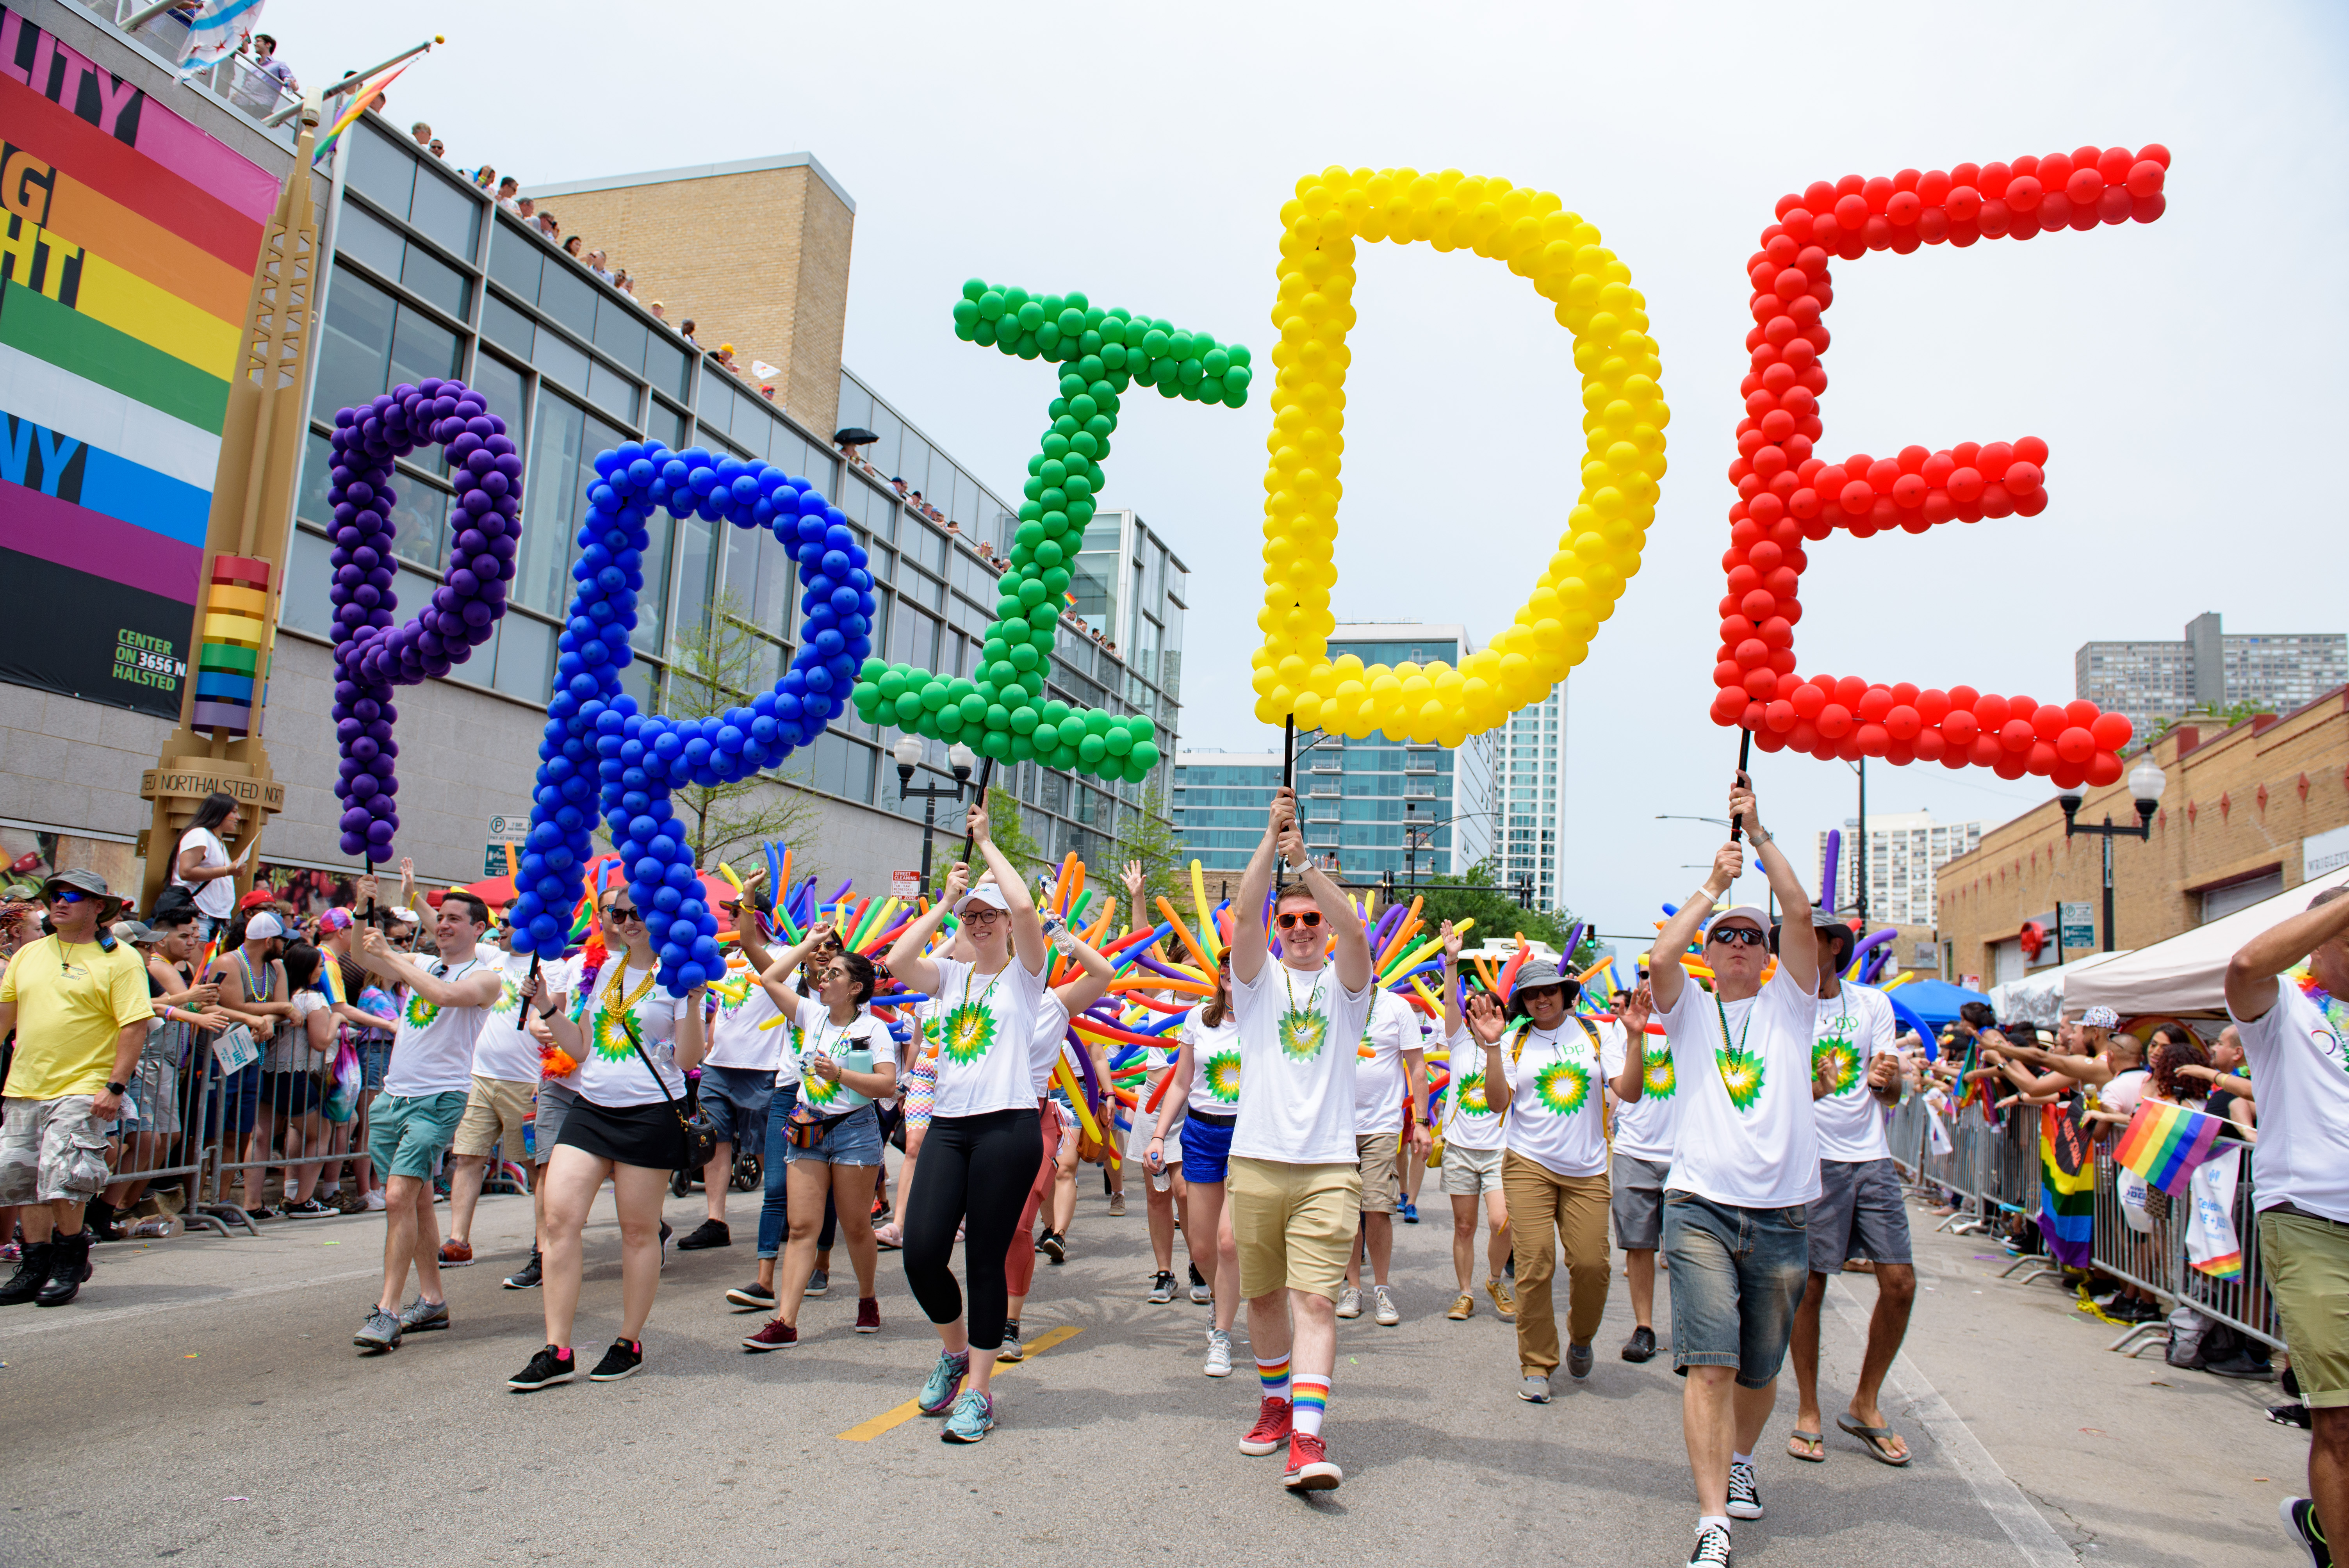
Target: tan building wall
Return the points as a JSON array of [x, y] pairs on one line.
[[756, 254], [2238, 803]]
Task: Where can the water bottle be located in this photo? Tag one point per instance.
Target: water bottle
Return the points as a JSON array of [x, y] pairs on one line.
[[1162, 1178]]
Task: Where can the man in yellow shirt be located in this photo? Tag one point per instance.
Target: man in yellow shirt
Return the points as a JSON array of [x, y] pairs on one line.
[[78, 1002]]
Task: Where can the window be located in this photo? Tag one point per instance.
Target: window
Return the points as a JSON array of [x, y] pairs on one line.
[[355, 348], [560, 361], [446, 213], [696, 563], [362, 236], [501, 325], [566, 296], [503, 385], [432, 279], [621, 335], [379, 170], [515, 261], [652, 603], [668, 364], [304, 606]]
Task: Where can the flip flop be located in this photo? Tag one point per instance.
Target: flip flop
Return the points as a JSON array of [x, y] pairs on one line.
[[1815, 1439], [1874, 1438]]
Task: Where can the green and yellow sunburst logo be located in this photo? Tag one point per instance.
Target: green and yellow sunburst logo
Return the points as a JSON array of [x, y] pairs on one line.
[[818, 1090], [1741, 1075], [966, 1032], [734, 990], [1835, 1062], [1470, 1097], [1662, 1080], [1223, 1070], [420, 1012], [509, 998], [1562, 1086], [1303, 1032], [608, 1036]]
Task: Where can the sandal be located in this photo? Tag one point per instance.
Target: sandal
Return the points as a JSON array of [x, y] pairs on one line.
[[1874, 1437], [1817, 1443]]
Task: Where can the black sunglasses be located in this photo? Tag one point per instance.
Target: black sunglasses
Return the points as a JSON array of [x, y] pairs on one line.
[[1739, 936], [623, 912], [1309, 917]]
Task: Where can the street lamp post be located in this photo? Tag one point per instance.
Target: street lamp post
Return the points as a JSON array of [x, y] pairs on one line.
[[908, 753], [2146, 782], [1415, 838]]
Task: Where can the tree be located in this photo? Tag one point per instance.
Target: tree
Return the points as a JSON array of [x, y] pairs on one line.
[[1500, 918], [715, 669], [1147, 834], [2227, 717]]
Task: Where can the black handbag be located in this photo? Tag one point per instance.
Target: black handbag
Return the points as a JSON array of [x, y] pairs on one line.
[[700, 1132]]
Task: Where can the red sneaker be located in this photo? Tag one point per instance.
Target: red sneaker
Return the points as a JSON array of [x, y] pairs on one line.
[[868, 1315], [456, 1254], [773, 1334], [1309, 1469], [1273, 1424]]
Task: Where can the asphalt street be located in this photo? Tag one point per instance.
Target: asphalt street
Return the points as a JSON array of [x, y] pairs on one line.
[[201, 1403]]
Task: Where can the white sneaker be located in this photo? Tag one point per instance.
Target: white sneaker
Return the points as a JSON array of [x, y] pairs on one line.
[[1350, 1302], [1386, 1315], [1219, 1352], [375, 1202]]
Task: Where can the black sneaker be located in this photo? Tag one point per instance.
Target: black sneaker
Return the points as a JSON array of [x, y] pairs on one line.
[[1579, 1361], [310, 1209], [1744, 1497], [1712, 1549], [548, 1367], [1162, 1288], [818, 1282], [620, 1361], [2299, 1516], [1641, 1345], [751, 1297], [1055, 1246], [530, 1276], [2242, 1367], [2293, 1414], [708, 1233]]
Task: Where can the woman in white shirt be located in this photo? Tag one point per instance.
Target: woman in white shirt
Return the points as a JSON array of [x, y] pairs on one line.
[[626, 1126], [202, 866], [1206, 1096]]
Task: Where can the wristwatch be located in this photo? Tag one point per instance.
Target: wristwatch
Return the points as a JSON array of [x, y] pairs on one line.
[[118, 1089]]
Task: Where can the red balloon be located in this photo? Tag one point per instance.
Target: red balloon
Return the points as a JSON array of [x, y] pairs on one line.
[[2012, 765], [2023, 193], [1960, 726], [1727, 704], [1990, 710], [2042, 758], [1834, 719], [2050, 721], [2081, 712], [1729, 672], [1902, 723], [2085, 185], [2145, 178], [1780, 716], [2112, 730], [2114, 205], [1931, 746], [1933, 705], [2153, 152], [2104, 768], [2016, 735], [1872, 740], [2075, 746], [1984, 751], [1808, 701]]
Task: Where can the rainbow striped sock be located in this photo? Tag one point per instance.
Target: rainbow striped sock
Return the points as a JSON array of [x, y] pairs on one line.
[[1311, 1401], [1275, 1376]]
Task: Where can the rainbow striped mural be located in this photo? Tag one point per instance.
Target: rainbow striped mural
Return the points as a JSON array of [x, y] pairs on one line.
[[126, 264]]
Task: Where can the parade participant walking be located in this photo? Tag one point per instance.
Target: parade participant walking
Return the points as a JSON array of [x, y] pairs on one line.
[[739, 1077], [1544, 1076], [848, 1061], [1744, 1170], [1472, 1144], [1859, 1212], [1390, 1086], [414, 1120], [78, 1003], [2293, 1042], [1206, 1096], [1644, 1133], [498, 1103], [633, 1040], [1160, 1205], [1296, 1180], [746, 1027], [980, 1156]]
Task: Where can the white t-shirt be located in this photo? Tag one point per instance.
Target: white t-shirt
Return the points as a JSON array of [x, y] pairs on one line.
[[737, 1037], [1380, 1079], [216, 896], [1854, 1027], [986, 1029], [1556, 1086], [2121, 1093], [1215, 1062], [1747, 1136], [813, 1034], [1469, 1119], [1298, 1034], [1051, 1043], [1646, 1128], [2298, 1062], [501, 1051], [612, 1074], [433, 1052]]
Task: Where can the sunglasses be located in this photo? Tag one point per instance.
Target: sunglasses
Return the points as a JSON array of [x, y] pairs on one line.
[[623, 912], [1310, 917], [66, 895], [1739, 936]]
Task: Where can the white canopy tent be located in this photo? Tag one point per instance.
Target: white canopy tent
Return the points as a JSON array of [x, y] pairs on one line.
[[2187, 974], [2038, 998]]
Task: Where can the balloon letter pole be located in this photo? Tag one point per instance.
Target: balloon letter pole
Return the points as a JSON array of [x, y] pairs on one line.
[[1787, 496]]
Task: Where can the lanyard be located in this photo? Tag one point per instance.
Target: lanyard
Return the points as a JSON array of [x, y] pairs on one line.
[[972, 973], [1724, 1014]]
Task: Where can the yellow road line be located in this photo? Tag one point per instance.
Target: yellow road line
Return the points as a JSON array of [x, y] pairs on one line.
[[890, 1421]]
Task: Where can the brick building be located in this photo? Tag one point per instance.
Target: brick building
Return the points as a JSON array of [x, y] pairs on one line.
[[2247, 811]]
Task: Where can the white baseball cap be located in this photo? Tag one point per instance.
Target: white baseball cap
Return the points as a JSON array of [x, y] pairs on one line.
[[985, 892], [1752, 914], [264, 927]]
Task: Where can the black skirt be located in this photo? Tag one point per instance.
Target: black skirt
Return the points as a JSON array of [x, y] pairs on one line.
[[646, 1135]]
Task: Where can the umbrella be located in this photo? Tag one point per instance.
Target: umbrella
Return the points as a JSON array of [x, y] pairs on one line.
[[855, 436], [1936, 1001], [497, 892]]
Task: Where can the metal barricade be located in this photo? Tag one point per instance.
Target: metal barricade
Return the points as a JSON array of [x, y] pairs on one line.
[[160, 1137], [2154, 1259]]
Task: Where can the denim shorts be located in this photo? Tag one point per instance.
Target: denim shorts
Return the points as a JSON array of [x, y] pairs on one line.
[[1737, 1276], [736, 1099], [1858, 1213], [854, 1140], [374, 1057]]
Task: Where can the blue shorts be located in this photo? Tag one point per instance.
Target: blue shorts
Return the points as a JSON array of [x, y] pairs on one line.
[[736, 1099], [374, 1057], [1206, 1149], [234, 1103], [1737, 1276], [854, 1140]]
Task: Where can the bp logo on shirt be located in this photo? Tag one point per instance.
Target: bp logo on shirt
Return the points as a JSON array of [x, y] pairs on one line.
[[966, 1032], [817, 1090], [1662, 1080], [1835, 1060], [420, 1012], [1741, 1075], [1303, 1032], [1471, 1099], [1223, 1070], [733, 991], [509, 998], [609, 1038], [1562, 1086]]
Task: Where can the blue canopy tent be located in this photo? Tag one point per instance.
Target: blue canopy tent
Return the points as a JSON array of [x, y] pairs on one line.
[[1930, 1002]]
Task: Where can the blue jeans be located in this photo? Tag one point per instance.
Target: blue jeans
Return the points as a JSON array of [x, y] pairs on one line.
[[1737, 1276], [774, 1208]]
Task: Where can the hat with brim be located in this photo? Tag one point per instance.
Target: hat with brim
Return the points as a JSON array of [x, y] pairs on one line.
[[1540, 974], [1751, 913], [133, 931], [1827, 923], [985, 894], [85, 881]]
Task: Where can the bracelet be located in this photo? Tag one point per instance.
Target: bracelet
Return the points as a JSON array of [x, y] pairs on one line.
[[1710, 899]]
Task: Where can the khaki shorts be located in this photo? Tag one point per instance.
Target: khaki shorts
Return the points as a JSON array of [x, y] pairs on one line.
[[1294, 1225], [53, 1150], [1379, 1157], [496, 1110], [1471, 1173], [2307, 1264]]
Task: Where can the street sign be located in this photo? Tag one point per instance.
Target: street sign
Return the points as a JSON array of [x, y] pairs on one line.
[[508, 828], [904, 884], [2079, 922], [493, 857]]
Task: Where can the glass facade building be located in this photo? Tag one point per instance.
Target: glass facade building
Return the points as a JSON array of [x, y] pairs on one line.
[[1219, 801], [1529, 798], [429, 279]]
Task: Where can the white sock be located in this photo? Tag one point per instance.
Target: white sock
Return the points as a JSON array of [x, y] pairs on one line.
[[1741, 1459], [1710, 1521]]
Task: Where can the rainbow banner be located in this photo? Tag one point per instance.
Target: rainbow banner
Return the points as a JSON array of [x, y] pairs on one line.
[[2165, 1143], [126, 249]]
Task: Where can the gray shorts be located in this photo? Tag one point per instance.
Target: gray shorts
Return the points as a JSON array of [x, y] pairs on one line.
[[51, 1151], [1637, 1203], [555, 1102], [1859, 1213]]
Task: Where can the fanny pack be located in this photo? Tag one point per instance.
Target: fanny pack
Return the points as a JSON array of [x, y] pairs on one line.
[[807, 1134]]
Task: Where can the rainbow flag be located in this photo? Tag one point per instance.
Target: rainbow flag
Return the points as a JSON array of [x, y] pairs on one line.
[[2164, 1144], [2067, 1184]]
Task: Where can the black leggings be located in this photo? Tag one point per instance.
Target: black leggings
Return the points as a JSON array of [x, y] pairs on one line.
[[977, 1174]]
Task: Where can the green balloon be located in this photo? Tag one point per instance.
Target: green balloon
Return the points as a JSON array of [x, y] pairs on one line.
[[1031, 592], [1097, 723], [892, 684], [1056, 445], [1031, 317], [909, 707], [1022, 748], [998, 716], [972, 288], [990, 305], [995, 743], [974, 709], [1090, 750], [934, 696], [1023, 658], [1023, 721], [1031, 533], [1056, 583], [1119, 739], [1144, 728], [1046, 735], [1049, 554], [1143, 757]]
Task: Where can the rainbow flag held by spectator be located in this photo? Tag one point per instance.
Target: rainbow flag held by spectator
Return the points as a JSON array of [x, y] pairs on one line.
[[2067, 1185], [2165, 1143]]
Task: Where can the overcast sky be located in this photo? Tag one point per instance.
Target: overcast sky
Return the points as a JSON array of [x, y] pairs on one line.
[[2176, 369]]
